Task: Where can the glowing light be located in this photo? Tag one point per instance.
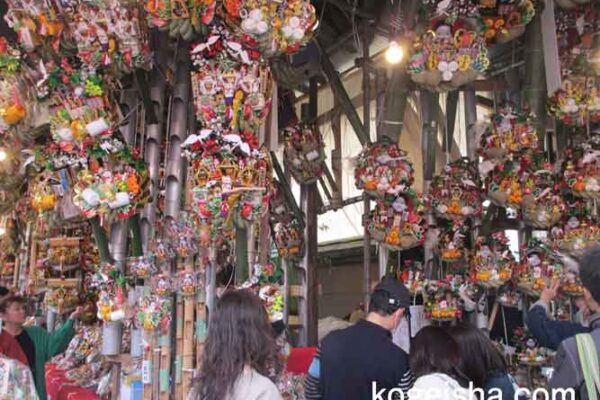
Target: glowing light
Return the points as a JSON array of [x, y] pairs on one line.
[[3, 155], [394, 53]]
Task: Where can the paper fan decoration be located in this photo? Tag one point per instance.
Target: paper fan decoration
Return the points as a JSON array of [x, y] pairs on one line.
[[492, 262], [272, 26], [231, 87], [398, 224], [455, 193], [509, 131], [505, 21], [181, 18], [304, 153], [543, 205], [448, 56], [581, 169], [383, 170]]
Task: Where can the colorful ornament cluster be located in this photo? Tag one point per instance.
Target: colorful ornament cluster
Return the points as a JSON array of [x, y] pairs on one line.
[[304, 153], [449, 55]]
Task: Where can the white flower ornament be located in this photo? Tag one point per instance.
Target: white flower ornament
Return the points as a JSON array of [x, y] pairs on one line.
[[447, 69]]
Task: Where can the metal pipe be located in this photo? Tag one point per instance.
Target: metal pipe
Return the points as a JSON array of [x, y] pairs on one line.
[[154, 139], [535, 76], [367, 132]]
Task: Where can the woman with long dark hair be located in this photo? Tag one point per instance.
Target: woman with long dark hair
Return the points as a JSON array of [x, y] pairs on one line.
[[483, 363], [434, 357], [240, 352]]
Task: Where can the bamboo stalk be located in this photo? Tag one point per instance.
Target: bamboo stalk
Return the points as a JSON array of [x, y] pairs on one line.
[[101, 240], [148, 339], [179, 351], [188, 344]]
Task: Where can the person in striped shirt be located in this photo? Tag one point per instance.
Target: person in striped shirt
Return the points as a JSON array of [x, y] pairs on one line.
[[361, 362]]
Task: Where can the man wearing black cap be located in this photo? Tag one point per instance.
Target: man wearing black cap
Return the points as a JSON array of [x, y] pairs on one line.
[[361, 362]]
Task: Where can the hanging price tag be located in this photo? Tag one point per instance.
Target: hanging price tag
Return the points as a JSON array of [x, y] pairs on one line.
[[147, 371]]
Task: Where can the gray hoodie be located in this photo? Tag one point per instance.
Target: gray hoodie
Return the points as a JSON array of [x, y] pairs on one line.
[[567, 367]]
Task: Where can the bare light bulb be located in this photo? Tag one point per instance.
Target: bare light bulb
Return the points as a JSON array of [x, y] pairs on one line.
[[3, 155], [394, 53]]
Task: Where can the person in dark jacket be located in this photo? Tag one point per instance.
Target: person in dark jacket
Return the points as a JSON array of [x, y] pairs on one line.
[[584, 348], [548, 332], [483, 363], [354, 363]]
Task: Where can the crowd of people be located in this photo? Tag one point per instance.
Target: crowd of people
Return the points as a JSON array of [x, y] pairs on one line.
[[241, 360]]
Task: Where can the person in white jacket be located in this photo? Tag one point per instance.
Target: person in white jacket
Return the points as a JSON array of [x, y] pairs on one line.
[[240, 352], [434, 358]]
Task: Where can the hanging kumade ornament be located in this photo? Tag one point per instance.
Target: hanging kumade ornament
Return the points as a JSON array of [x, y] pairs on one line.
[[398, 224], [570, 104], [141, 267], [273, 27], [448, 56], [383, 170], [505, 21], [503, 184], [455, 193], [109, 35], [181, 18], [289, 239], [578, 232], [304, 153], [452, 242], [581, 169], [542, 205], [509, 131], [187, 283], [109, 193], [154, 312], [492, 262], [539, 267], [231, 88]]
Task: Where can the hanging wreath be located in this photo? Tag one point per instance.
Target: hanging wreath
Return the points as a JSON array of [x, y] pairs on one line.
[[543, 205], [273, 27], [509, 131], [231, 87], [455, 193], [448, 56], [581, 169], [492, 262], [398, 224], [304, 153], [383, 170]]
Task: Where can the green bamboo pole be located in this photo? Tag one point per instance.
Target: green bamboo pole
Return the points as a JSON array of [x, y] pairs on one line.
[[101, 240], [136, 232], [534, 85]]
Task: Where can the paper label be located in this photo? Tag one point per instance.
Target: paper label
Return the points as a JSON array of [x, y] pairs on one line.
[[146, 372]]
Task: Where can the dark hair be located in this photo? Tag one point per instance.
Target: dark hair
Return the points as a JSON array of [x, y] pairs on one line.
[[8, 301], [434, 350], [380, 303], [589, 272], [3, 291], [239, 334], [479, 356]]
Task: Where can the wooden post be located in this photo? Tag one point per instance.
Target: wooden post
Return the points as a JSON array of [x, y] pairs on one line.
[[188, 336]]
